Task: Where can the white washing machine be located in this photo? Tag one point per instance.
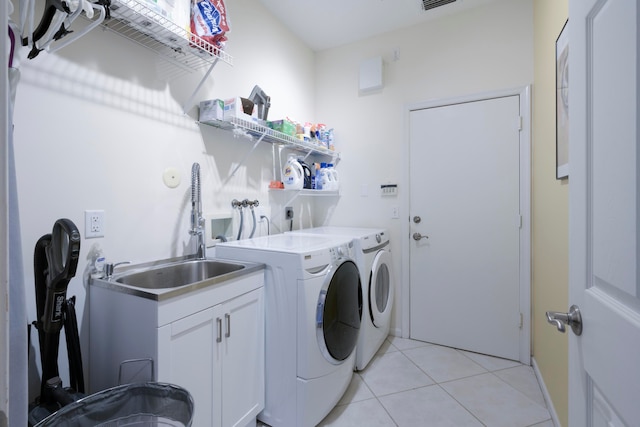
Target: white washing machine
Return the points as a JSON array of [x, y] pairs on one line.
[[373, 257], [313, 304]]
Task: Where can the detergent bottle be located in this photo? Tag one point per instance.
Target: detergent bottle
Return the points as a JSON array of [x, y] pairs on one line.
[[335, 183], [292, 174], [325, 180], [316, 184]]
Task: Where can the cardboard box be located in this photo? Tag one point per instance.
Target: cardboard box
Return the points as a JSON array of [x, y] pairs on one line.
[[211, 110], [239, 107], [284, 126]]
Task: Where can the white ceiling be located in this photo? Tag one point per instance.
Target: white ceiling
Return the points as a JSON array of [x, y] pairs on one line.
[[323, 24]]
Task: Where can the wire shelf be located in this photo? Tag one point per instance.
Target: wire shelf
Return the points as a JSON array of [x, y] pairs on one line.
[[273, 136], [148, 28]]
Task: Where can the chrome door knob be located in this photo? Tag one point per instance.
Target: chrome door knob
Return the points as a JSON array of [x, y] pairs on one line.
[[418, 236], [573, 318]]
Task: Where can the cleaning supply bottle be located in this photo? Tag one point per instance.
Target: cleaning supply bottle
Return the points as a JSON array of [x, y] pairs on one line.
[[292, 174], [325, 178], [316, 183], [97, 270], [335, 183]]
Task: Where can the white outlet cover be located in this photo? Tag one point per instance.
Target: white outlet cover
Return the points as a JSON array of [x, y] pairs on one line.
[[171, 177], [93, 224]]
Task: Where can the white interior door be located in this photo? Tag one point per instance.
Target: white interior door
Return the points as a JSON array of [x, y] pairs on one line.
[[604, 369], [4, 221], [465, 189]]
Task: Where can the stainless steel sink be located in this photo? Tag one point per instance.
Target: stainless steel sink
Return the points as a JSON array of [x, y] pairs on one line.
[[179, 274]]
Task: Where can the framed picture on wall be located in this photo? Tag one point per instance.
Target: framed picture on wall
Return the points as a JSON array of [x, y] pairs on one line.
[[562, 103]]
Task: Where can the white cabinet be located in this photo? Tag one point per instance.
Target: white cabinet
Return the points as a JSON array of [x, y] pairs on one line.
[[224, 343], [209, 341]]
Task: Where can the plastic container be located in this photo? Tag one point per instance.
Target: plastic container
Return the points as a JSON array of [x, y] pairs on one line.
[[315, 180], [335, 178], [293, 175], [325, 179], [97, 271], [142, 404]]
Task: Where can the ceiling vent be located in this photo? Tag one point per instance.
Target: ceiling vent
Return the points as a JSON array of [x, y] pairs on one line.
[[432, 4]]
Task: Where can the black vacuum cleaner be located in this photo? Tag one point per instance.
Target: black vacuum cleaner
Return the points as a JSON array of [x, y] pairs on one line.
[[55, 262]]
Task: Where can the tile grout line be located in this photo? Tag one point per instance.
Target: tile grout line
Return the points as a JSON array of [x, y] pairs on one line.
[[435, 383], [486, 371], [447, 381], [385, 410], [392, 349]]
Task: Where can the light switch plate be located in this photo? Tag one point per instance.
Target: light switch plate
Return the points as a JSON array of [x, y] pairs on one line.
[[389, 189]]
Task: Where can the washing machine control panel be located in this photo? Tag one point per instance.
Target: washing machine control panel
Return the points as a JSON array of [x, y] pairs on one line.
[[342, 251]]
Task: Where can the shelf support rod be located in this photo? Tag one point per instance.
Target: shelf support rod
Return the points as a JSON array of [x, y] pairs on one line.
[[190, 103], [304, 159], [246, 156]]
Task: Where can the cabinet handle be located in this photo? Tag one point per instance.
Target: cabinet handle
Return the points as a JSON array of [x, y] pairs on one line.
[[219, 322], [227, 317]]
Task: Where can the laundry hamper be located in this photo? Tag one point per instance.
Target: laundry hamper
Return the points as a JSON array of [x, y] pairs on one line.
[[140, 405]]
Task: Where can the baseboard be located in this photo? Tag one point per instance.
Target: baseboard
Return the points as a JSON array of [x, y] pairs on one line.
[[545, 393]]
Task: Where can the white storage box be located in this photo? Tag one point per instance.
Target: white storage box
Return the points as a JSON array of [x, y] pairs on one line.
[[241, 108], [211, 110]]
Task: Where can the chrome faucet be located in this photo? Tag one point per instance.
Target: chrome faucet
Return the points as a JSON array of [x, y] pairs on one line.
[[197, 221], [109, 267]]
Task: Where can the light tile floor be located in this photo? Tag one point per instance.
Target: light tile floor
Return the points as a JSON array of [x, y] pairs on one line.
[[414, 384]]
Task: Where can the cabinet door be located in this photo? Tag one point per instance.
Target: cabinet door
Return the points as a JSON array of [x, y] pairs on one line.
[[243, 359], [186, 355]]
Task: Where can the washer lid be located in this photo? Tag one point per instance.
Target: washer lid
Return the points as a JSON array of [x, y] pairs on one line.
[[354, 232], [290, 243], [367, 238]]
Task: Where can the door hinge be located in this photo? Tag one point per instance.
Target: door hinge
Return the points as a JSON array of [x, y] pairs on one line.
[[521, 321]]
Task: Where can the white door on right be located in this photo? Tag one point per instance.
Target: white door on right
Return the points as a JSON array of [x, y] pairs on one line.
[[604, 201]]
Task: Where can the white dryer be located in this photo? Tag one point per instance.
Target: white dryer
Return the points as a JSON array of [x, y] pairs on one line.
[[312, 307], [373, 257]]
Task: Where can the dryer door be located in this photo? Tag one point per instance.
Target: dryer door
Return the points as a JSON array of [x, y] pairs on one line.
[[381, 290], [338, 313]]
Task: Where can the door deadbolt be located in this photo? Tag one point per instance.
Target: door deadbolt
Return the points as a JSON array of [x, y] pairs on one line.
[[573, 318], [417, 219]]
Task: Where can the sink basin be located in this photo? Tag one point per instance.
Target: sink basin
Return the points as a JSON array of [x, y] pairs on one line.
[[179, 274]]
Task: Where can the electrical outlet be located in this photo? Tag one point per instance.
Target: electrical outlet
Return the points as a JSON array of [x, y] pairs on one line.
[[288, 212], [93, 224]]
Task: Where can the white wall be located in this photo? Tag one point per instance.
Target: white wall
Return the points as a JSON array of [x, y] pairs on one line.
[[484, 49], [550, 252], [95, 127]]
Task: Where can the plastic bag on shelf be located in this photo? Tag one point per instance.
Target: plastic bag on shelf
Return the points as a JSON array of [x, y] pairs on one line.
[[209, 23]]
